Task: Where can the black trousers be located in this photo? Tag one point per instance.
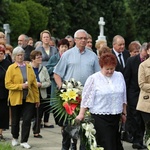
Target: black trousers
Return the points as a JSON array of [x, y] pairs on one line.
[[107, 128], [146, 117], [4, 114], [135, 124], [38, 113], [46, 106], [26, 111]]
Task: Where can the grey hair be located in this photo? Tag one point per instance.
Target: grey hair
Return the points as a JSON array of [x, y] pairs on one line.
[[17, 50], [68, 36], [26, 38], [80, 30], [38, 43], [115, 38], [144, 46]]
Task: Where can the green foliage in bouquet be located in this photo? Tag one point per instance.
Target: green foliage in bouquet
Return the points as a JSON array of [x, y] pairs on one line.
[[66, 105]]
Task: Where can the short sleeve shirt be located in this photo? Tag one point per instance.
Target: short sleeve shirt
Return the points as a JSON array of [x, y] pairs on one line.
[[79, 66]]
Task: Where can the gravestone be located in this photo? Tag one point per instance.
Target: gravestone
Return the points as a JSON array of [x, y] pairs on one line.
[[7, 33], [101, 24]]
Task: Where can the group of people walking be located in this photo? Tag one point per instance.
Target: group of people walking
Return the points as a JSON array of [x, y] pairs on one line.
[[116, 87]]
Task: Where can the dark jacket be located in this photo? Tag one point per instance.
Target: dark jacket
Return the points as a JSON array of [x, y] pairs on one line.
[[28, 49], [4, 64], [126, 55], [131, 79]]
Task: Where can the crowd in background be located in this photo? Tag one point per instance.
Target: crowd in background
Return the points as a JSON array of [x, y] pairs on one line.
[[116, 86]]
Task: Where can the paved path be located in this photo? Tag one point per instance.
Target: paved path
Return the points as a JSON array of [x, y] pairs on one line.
[[51, 139]]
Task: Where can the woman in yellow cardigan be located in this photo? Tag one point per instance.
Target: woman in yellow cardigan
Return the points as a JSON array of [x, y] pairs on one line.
[[23, 96]]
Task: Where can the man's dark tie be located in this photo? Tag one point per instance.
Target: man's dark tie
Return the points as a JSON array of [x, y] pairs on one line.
[[121, 63]]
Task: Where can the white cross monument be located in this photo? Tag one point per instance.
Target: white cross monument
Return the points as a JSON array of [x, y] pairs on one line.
[[101, 24]]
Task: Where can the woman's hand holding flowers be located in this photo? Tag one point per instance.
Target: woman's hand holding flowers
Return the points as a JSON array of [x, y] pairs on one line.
[[80, 117], [124, 118]]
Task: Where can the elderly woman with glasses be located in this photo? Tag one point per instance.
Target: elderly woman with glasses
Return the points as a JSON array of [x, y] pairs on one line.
[[23, 96], [4, 108], [43, 81]]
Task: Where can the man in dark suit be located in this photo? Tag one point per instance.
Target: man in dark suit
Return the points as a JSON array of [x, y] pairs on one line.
[[134, 124], [122, 55], [120, 52]]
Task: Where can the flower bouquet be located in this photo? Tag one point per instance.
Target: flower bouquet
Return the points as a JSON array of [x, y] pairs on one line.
[[66, 106], [88, 133]]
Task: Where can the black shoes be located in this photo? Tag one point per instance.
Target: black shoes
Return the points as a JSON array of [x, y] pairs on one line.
[[138, 146], [38, 136], [48, 126], [125, 136]]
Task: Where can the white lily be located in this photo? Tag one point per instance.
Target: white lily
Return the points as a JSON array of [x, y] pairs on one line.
[[64, 86], [72, 79], [69, 85], [79, 84], [89, 133]]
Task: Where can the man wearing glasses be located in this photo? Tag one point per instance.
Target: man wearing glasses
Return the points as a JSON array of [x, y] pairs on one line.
[[78, 63]]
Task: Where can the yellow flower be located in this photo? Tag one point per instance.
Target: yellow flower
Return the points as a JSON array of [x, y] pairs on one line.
[[64, 96], [71, 94]]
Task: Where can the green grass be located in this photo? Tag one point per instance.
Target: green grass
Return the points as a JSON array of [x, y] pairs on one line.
[[5, 146]]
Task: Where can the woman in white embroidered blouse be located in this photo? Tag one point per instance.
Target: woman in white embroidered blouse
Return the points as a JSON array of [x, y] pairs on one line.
[[104, 94]]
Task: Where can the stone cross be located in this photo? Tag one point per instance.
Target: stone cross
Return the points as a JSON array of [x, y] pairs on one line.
[[7, 32], [101, 24]]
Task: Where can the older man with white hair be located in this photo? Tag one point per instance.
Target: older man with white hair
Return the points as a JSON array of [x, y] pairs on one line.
[[79, 63]]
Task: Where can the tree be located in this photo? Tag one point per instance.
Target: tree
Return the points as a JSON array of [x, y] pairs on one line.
[[38, 15], [129, 18], [114, 14], [130, 25], [59, 20], [84, 14], [141, 12], [19, 20], [4, 5]]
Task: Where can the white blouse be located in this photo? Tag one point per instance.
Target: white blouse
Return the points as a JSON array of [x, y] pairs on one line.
[[104, 95]]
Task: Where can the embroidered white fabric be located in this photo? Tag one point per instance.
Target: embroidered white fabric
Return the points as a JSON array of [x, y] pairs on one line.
[[104, 95]]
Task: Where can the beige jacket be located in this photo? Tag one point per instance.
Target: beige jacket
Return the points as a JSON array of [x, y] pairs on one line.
[[144, 84], [45, 80]]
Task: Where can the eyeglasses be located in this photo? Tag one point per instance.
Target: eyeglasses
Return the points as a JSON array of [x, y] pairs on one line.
[[81, 38]]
